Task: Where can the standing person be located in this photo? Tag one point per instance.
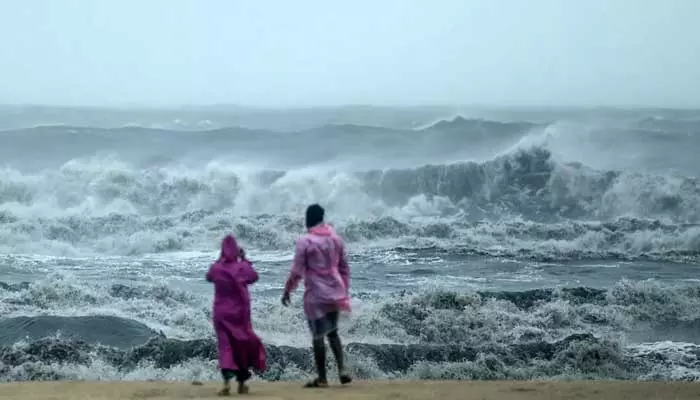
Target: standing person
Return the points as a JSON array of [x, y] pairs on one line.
[[320, 262], [240, 349]]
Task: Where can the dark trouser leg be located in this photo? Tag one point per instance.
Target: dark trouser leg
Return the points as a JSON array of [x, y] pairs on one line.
[[320, 356], [228, 374], [242, 375], [337, 349]]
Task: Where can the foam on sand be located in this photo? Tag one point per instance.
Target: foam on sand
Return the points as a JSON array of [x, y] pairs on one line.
[[502, 390]]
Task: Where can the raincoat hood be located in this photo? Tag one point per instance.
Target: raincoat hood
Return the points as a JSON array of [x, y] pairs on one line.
[[229, 249], [322, 230]]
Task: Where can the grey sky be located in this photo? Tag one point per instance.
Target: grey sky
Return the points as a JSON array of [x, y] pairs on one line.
[[303, 52]]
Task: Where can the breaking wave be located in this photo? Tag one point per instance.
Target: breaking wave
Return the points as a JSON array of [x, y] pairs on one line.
[[525, 200]]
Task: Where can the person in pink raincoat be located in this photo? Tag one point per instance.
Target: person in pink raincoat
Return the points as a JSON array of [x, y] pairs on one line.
[[240, 349], [320, 261]]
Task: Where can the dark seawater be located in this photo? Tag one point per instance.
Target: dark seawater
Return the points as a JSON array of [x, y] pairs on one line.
[[492, 245]]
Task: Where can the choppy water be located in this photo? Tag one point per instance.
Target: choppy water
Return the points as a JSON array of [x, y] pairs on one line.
[[514, 246]]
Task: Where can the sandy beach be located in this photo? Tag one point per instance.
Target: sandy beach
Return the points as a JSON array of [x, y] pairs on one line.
[[396, 390]]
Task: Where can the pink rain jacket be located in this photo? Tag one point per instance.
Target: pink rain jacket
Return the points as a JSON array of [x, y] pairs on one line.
[[320, 261]]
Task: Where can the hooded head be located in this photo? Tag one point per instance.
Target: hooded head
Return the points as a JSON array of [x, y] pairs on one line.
[[229, 249], [314, 215]]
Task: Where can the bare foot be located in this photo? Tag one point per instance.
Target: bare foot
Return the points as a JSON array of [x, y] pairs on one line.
[[224, 392], [316, 383], [242, 388]]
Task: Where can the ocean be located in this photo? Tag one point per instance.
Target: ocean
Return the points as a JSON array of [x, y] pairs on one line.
[[483, 244]]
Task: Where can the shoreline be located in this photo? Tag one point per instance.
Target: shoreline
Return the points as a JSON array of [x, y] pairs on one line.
[[360, 390]]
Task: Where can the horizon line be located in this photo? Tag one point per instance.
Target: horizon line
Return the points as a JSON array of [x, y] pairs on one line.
[[252, 107]]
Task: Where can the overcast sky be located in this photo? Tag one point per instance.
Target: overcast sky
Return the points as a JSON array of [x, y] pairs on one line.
[[329, 52]]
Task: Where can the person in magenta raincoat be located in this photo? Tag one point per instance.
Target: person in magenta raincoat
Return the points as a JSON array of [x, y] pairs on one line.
[[320, 262], [239, 348]]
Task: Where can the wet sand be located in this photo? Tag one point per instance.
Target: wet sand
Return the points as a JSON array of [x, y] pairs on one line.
[[394, 390]]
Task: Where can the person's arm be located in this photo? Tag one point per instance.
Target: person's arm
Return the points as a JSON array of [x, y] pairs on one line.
[[298, 268], [246, 274], [213, 273], [241, 273], [343, 267]]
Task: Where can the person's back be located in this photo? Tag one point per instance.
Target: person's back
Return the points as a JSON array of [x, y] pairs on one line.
[[231, 297], [326, 273]]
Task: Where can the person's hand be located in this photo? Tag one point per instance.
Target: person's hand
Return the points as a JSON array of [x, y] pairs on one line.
[[285, 299]]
